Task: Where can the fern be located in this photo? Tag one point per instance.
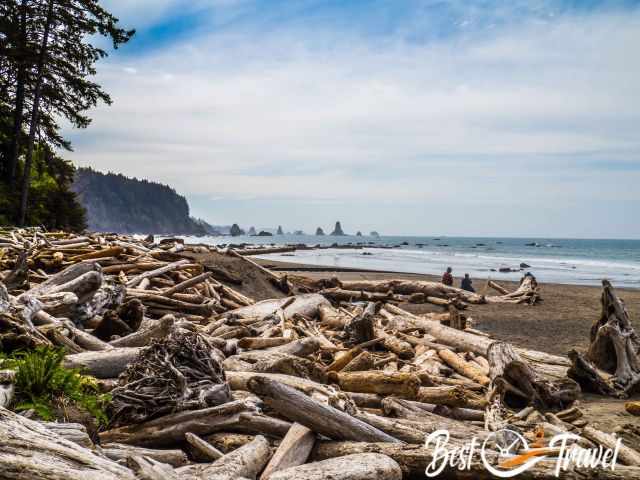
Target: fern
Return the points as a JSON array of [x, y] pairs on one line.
[[41, 378]]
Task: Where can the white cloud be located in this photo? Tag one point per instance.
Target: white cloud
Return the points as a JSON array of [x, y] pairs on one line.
[[274, 115]]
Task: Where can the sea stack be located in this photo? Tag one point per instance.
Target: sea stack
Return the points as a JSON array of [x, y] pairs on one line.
[[374, 234], [279, 232], [252, 231], [359, 234], [337, 231], [319, 232], [236, 230]]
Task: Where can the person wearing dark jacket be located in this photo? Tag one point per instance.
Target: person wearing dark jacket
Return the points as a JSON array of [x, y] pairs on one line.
[[447, 278], [466, 284]]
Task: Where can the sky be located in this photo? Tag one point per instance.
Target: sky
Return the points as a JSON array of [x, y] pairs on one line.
[[471, 118]]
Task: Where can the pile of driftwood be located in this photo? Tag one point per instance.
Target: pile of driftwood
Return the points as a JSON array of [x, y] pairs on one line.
[[419, 291], [208, 384]]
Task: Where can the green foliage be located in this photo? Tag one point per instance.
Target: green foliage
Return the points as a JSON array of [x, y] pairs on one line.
[[41, 380], [52, 204]]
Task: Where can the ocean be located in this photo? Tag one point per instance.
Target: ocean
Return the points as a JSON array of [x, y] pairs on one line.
[[551, 260]]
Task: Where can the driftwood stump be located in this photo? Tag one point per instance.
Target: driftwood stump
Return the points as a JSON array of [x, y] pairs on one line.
[[180, 372], [612, 363]]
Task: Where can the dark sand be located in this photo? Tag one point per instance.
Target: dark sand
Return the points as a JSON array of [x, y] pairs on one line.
[[560, 322]]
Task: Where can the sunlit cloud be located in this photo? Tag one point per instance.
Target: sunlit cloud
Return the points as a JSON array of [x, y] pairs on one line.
[[518, 115]]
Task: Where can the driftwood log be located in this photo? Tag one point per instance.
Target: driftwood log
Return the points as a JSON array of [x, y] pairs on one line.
[[30, 451], [363, 466], [320, 418]]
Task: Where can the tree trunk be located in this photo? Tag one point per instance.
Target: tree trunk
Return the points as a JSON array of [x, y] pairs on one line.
[[35, 114], [402, 384], [103, 364], [364, 466], [18, 113], [414, 460], [30, 451], [320, 418], [168, 430]]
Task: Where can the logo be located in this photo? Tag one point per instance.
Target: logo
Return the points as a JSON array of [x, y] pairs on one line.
[[507, 453]]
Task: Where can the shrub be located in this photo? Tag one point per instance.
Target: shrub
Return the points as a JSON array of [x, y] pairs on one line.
[[42, 381]]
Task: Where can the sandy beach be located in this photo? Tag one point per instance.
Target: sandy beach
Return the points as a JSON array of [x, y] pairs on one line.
[[560, 322]]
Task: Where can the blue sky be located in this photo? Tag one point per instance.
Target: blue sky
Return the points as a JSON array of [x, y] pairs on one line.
[[407, 117]]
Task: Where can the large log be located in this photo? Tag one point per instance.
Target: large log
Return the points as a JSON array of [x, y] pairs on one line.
[[415, 459], [323, 393], [104, 363], [364, 466], [161, 328], [402, 384], [409, 287], [320, 418], [169, 429], [306, 304], [30, 451]]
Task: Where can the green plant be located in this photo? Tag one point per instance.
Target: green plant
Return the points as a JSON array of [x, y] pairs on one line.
[[41, 380]]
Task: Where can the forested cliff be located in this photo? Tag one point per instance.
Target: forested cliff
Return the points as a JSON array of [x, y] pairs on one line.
[[116, 203]]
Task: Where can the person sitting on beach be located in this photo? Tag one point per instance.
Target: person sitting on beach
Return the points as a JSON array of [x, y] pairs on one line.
[[466, 284], [447, 278]]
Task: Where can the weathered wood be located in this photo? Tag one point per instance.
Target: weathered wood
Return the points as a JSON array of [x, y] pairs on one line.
[[119, 451], [245, 462], [204, 448], [292, 451], [104, 363], [169, 429], [147, 468], [402, 384], [161, 329], [519, 385], [306, 304], [414, 460], [364, 466], [30, 451], [187, 283], [7, 387], [615, 345], [74, 432], [323, 393], [361, 328], [627, 455], [158, 271], [320, 418], [463, 367]]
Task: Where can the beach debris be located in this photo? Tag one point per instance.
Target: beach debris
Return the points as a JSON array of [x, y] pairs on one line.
[[213, 377], [611, 365]]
